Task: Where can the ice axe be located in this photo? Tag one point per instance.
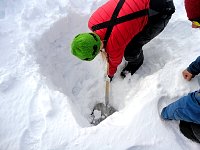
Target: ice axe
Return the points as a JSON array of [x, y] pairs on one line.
[[101, 111]]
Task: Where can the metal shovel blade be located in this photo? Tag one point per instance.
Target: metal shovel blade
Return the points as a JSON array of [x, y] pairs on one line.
[[101, 112]]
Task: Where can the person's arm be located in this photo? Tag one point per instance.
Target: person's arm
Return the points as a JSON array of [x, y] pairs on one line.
[[113, 67], [192, 70], [115, 57]]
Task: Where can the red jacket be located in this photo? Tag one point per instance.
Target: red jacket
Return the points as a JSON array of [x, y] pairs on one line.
[[193, 9], [122, 33]]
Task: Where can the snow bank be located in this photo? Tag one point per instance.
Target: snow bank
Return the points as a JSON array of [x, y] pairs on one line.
[[47, 95]]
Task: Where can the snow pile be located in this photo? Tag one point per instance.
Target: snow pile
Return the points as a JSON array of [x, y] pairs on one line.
[[47, 95]]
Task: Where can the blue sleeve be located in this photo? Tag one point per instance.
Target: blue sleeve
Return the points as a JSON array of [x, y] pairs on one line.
[[194, 67]]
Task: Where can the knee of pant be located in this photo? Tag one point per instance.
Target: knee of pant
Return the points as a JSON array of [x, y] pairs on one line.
[[163, 114], [135, 59], [132, 49]]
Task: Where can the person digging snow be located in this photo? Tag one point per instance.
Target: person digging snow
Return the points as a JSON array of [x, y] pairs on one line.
[[122, 28]]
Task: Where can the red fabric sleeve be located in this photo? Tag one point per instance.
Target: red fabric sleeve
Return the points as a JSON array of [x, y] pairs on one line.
[[114, 60]]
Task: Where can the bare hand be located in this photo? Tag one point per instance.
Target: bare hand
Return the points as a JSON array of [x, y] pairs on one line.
[[187, 75]]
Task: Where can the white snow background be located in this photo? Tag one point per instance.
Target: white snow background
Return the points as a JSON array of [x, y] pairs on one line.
[[47, 95]]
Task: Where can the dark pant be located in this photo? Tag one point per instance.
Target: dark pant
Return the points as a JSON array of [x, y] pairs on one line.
[[156, 24], [190, 130]]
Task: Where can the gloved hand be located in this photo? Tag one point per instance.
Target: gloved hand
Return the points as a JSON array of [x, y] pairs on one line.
[[123, 74], [110, 78]]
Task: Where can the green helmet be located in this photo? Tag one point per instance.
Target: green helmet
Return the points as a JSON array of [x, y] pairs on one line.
[[86, 46]]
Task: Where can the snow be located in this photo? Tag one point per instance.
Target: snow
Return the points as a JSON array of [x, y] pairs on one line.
[[47, 95]]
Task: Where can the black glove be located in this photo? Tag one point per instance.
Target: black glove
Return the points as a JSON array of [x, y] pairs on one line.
[[123, 74], [111, 77]]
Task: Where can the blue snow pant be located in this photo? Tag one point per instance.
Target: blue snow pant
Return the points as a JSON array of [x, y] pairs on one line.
[[186, 109]]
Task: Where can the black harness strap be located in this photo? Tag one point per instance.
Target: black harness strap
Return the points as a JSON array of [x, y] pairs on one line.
[[114, 16], [114, 20], [121, 19]]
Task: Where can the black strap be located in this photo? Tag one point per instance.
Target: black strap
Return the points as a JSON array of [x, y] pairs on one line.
[[114, 20], [121, 19], [114, 16]]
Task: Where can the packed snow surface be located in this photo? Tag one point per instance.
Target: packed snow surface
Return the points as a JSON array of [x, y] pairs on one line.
[[47, 95]]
